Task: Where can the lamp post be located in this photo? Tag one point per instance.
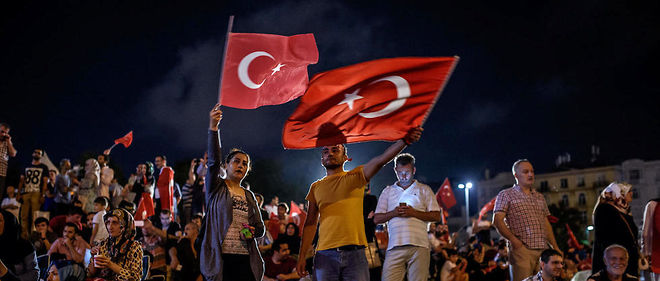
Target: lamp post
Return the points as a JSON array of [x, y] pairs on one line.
[[467, 188]]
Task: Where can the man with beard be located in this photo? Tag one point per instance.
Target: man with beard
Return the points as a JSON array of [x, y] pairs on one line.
[[407, 206], [32, 186], [616, 262], [335, 202], [551, 267], [526, 227]]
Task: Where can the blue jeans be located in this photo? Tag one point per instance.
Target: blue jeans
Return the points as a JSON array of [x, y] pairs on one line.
[[335, 264]]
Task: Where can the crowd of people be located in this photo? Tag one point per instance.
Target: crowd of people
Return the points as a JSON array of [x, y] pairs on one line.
[[71, 223]]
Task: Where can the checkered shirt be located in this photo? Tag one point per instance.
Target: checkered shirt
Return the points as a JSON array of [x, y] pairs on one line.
[[4, 158], [525, 215]]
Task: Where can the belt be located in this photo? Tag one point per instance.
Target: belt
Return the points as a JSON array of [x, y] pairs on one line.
[[348, 248]]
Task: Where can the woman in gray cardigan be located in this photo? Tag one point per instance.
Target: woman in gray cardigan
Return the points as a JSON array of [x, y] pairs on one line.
[[233, 221]]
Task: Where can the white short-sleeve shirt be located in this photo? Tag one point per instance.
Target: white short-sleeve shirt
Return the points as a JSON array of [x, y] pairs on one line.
[[102, 233], [407, 231]]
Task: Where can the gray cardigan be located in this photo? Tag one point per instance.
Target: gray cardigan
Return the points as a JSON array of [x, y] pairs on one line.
[[219, 216]]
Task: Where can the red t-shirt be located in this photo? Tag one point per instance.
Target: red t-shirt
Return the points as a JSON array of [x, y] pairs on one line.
[[285, 267]]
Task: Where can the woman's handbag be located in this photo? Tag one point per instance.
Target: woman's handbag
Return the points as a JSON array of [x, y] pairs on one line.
[[642, 262]]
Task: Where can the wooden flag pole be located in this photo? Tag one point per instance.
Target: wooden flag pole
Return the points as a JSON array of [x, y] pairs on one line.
[[230, 24], [451, 70]]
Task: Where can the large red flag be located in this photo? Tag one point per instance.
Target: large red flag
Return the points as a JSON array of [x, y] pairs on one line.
[[266, 69], [374, 100], [487, 208], [125, 140], [445, 195]]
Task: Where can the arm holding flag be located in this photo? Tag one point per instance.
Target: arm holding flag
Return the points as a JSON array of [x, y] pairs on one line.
[[214, 149], [375, 164]]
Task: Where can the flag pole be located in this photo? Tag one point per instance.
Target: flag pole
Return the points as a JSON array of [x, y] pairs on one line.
[[451, 71], [230, 24]]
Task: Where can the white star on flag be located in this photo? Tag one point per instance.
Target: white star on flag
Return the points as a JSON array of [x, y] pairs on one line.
[[350, 98], [277, 68]]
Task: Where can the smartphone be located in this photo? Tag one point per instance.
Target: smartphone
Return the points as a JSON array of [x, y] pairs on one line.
[[139, 223]]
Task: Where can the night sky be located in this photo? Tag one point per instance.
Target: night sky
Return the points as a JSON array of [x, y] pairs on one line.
[[535, 80]]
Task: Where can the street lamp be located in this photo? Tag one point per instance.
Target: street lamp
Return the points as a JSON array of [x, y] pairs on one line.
[[466, 187]]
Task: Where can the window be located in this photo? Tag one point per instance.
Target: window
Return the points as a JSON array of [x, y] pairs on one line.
[[582, 200], [564, 200], [580, 181], [634, 176], [544, 186], [564, 183], [635, 193]]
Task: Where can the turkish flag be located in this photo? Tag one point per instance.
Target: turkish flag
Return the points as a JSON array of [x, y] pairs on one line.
[[487, 208], [266, 69], [294, 210], [374, 100], [125, 140], [572, 240], [445, 195]]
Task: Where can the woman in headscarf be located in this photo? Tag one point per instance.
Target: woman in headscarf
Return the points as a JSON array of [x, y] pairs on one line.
[[613, 224], [118, 257], [18, 260], [228, 247], [89, 185], [292, 238]]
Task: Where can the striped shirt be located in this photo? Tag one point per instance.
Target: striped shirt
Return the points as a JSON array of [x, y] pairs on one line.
[[4, 158], [186, 195], [525, 215], [407, 231]]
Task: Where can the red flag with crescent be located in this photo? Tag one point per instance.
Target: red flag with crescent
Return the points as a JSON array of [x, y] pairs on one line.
[[445, 195], [125, 140], [266, 69], [374, 100], [572, 240], [487, 208]]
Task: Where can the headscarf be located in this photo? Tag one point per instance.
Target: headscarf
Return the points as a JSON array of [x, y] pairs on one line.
[[92, 174], [14, 248], [615, 194], [119, 246]]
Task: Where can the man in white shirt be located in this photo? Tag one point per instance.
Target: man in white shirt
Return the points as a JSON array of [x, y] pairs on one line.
[[407, 206]]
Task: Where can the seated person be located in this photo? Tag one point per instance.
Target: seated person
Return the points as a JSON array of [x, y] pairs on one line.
[[74, 216], [616, 262], [280, 266], [70, 246], [118, 257], [453, 269], [551, 263], [185, 258], [154, 246], [42, 238]]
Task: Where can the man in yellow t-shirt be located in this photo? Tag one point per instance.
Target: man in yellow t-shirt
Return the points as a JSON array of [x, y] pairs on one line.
[[335, 202]]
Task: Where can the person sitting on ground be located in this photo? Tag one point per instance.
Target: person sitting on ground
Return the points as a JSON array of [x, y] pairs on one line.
[[74, 216], [616, 261], [118, 257], [42, 238], [185, 258], [70, 246], [453, 269], [280, 266], [18, 260], [551, 267], [154, 246], [292, 238]]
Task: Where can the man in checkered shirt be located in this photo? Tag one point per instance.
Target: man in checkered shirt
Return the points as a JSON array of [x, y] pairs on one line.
[[521, 216], [6, 150]]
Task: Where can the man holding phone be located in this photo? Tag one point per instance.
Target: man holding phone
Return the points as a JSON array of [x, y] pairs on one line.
[[407, 206]]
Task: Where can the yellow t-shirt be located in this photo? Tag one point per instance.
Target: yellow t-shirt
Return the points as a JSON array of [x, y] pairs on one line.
[[339, 199]]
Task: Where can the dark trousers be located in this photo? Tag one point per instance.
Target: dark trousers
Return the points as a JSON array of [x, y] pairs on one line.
[[236, 267], [3, 181]]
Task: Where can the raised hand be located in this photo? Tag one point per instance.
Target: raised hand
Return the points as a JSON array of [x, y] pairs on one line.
[[215, 117]]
